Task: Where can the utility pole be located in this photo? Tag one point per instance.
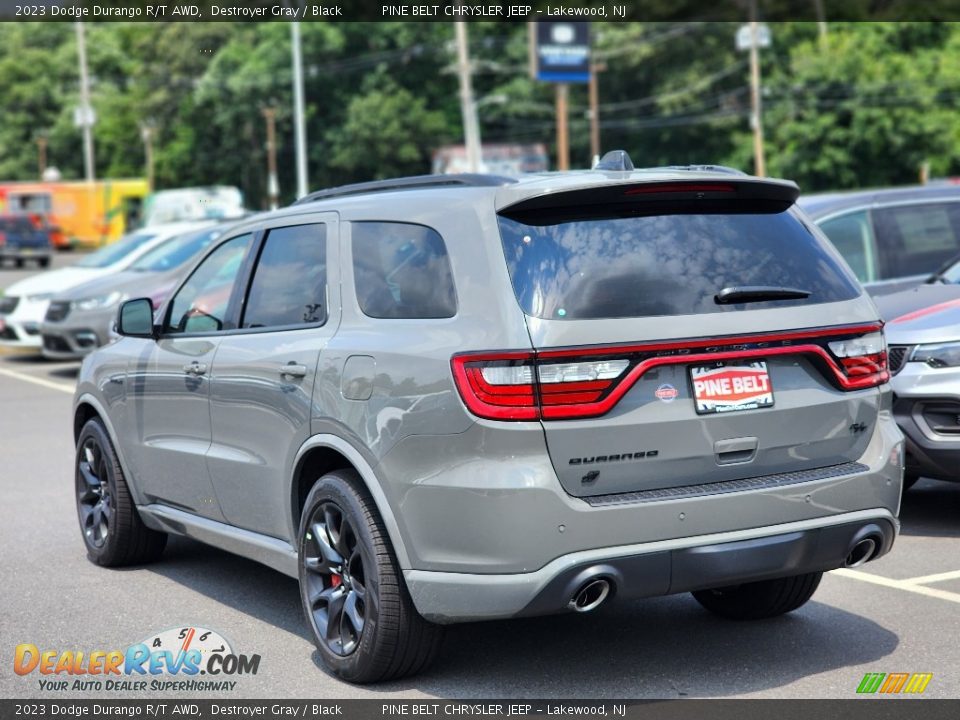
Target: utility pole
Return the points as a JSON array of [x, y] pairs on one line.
[[85, 114], [594, 90], [821, 20], [468, 108], [756, 116], [299, 122], [41, 154], [563, 135], [273, 187], [146, 134]]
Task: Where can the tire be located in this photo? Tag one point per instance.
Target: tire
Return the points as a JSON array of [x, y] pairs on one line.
[[112, 530], [760, 600], [392, 640], [909, 480], [18, 263], [44, 262]]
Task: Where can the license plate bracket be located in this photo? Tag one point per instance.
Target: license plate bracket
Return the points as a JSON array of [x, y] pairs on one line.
[[724, 387]]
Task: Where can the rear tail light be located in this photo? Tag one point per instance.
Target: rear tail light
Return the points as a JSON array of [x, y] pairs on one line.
[[862, 359], [515, 387], [587, 382]]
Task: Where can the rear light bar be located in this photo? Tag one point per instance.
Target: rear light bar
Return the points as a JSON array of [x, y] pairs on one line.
[[655, 188], [587, 382]]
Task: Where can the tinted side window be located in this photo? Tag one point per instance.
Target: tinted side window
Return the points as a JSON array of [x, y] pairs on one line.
[[402, 271], [853, 237], [917, 239], [201, 304], [290, 283]]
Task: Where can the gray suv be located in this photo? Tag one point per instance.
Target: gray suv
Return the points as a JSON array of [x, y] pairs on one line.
[[455, 398]]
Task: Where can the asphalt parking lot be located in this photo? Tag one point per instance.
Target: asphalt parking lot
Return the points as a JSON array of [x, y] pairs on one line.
[[900, 614]]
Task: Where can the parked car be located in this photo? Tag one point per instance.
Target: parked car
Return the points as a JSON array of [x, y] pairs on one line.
[[443, 399], [81, 319], [22, 239], [893, 238], [923, 329], [24, 304]]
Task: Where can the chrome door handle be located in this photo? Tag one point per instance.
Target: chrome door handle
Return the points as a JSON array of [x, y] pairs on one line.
[[195, 368], [294, 370]]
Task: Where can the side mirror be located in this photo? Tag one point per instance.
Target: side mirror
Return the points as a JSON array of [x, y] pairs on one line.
[[135, 318]]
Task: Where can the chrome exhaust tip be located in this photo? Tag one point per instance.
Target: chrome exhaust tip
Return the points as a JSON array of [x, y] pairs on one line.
[[591, 596], [862, 552]]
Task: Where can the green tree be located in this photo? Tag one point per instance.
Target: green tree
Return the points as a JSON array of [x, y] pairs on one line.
[[388, 132]]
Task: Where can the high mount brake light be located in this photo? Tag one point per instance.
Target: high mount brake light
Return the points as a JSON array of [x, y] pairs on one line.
[[588, 382], [656, 188]]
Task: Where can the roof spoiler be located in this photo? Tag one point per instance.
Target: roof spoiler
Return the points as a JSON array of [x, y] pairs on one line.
[[730, 194]]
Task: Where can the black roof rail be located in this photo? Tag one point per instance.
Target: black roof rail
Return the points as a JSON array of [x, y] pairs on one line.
[[416, 182]]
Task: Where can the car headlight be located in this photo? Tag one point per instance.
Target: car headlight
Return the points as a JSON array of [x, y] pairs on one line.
[[100, 301], [939, 356]]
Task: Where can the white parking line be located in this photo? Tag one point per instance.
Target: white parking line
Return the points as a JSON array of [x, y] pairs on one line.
[[38, 381], [938, 577], [907, 585]]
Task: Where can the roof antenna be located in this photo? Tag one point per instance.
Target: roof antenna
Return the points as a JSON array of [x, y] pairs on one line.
[[615, 160]]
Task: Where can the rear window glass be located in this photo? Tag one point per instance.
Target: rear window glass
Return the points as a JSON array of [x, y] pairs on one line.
[[852, 236], [609, 267], [175, 252], [15, 225], [402, 271], [117, 251], [918, 239]]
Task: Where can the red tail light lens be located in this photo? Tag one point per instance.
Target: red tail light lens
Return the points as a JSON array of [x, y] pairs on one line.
[[587, 382], [863, 359], [498, 386]]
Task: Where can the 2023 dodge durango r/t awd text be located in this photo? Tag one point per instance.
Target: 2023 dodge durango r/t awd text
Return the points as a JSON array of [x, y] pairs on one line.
[[445, 399]]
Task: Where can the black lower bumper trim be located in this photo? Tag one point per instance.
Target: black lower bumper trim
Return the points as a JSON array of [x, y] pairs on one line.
[[717, 565]]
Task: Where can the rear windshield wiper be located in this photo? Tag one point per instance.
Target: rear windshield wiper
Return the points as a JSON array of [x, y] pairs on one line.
[[758, 293]]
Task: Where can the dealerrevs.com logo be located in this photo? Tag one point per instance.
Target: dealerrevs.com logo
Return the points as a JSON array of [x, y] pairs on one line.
[[894, 683], [179, 659]]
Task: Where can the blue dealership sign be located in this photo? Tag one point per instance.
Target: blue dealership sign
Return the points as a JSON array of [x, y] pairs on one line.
[[562, 52]]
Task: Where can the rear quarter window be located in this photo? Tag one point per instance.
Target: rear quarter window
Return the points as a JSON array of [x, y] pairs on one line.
[[671, 264], [402, 271]]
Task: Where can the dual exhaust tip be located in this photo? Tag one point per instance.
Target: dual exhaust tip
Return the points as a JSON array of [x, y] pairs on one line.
[[591, 595], [864, 551]]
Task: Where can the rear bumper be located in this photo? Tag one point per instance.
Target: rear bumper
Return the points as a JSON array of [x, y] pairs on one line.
[[656, 568], [13, 253]]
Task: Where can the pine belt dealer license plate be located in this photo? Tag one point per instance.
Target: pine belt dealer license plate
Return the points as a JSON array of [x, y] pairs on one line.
[[731, 387]]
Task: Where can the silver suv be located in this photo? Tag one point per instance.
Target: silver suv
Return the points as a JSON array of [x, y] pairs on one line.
[[455, 398]]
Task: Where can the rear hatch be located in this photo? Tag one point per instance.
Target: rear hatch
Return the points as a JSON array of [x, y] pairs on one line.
[[19, 233], [683, 333]]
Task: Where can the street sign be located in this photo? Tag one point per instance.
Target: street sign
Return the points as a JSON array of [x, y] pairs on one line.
[[745, 37], [84, 116], [562, 52]]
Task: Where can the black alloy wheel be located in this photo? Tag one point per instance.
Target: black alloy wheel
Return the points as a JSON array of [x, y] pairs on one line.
[[94, 499], [335, 579]]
